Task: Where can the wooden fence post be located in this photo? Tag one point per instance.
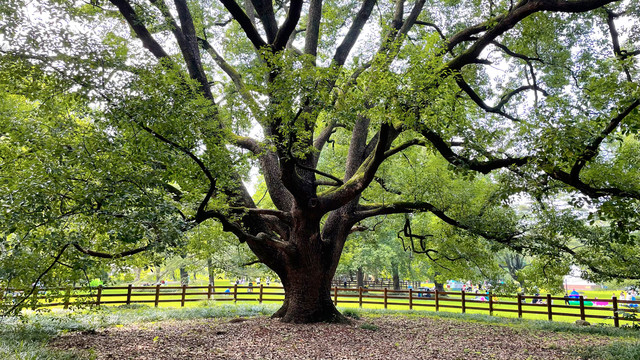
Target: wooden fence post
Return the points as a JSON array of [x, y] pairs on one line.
[[410, 299], [129, 294], [209, 291], [582, 308], [616, 316], [549, 307], [385, 297], [67, 298], [99, 296], [235, 293], [261, 291], [519, 305], [157, 298], [335, 295], [437, 300], [490, 304], [184, 294], [464, 305], [360, 296]]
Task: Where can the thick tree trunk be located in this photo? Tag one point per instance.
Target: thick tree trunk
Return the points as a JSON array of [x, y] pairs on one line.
[[184, 276], [308, 300], [306, 272], [211, 272], [360, 277], [396, 276]]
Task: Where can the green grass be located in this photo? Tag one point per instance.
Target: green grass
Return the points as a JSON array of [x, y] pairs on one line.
[[616, 351], [273, 295]]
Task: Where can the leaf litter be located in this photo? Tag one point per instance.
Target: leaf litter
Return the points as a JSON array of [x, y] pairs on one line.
[[393, 337]]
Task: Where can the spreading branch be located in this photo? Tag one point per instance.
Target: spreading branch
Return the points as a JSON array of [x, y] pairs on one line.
[[484, 167], [138, 27], [592, 149], [245, 23], [235, 77], [37, 282], [289, 25], [367, 211], [354, 32], [312, 33], [102, 255]]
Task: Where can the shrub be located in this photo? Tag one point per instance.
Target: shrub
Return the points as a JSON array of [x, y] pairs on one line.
[[351, 313]]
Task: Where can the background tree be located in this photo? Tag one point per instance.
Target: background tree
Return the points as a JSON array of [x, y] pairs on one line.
[[137, 121]]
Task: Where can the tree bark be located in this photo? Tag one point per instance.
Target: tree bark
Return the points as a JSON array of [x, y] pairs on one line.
[[308, 267], [360, 276], [157, 273], [211, 272], [308, 300], [396, 276], [184, 276]]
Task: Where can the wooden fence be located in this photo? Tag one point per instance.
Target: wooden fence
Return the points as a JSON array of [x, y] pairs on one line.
[[380, 283], [549, 306]]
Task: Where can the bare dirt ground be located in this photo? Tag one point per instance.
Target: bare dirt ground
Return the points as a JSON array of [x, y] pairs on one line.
[[263, 338]]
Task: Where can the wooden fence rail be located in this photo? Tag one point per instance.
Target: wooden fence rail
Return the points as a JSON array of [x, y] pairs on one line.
[[551, 306]]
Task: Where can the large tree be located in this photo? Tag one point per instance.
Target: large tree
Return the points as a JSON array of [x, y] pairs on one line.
[[129, 122]]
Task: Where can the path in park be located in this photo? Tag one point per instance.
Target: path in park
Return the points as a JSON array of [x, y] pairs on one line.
[[263, 338]]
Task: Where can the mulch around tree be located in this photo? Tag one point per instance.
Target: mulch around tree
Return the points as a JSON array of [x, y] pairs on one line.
[[396, 337]]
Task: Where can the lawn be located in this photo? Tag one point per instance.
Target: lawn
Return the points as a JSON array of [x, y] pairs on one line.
[[506, 306]]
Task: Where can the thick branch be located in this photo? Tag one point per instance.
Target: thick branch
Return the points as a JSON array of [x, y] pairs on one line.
[[472, 164], [37, 282], [367, 211], [312, 33], [247, 143], [616, 42], [352, 188], [592, 149], [589, 190], [403, 147], [434, 26], [190, 49], [264, 9], [514, 54], [385, 187], [138, 27], [111, 256], [233, 74], [185, 37], [282, 215], [354, 32], [245, 22], [497, 109], [411, 19], [288, 26], [181, 148], [503, 23]]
